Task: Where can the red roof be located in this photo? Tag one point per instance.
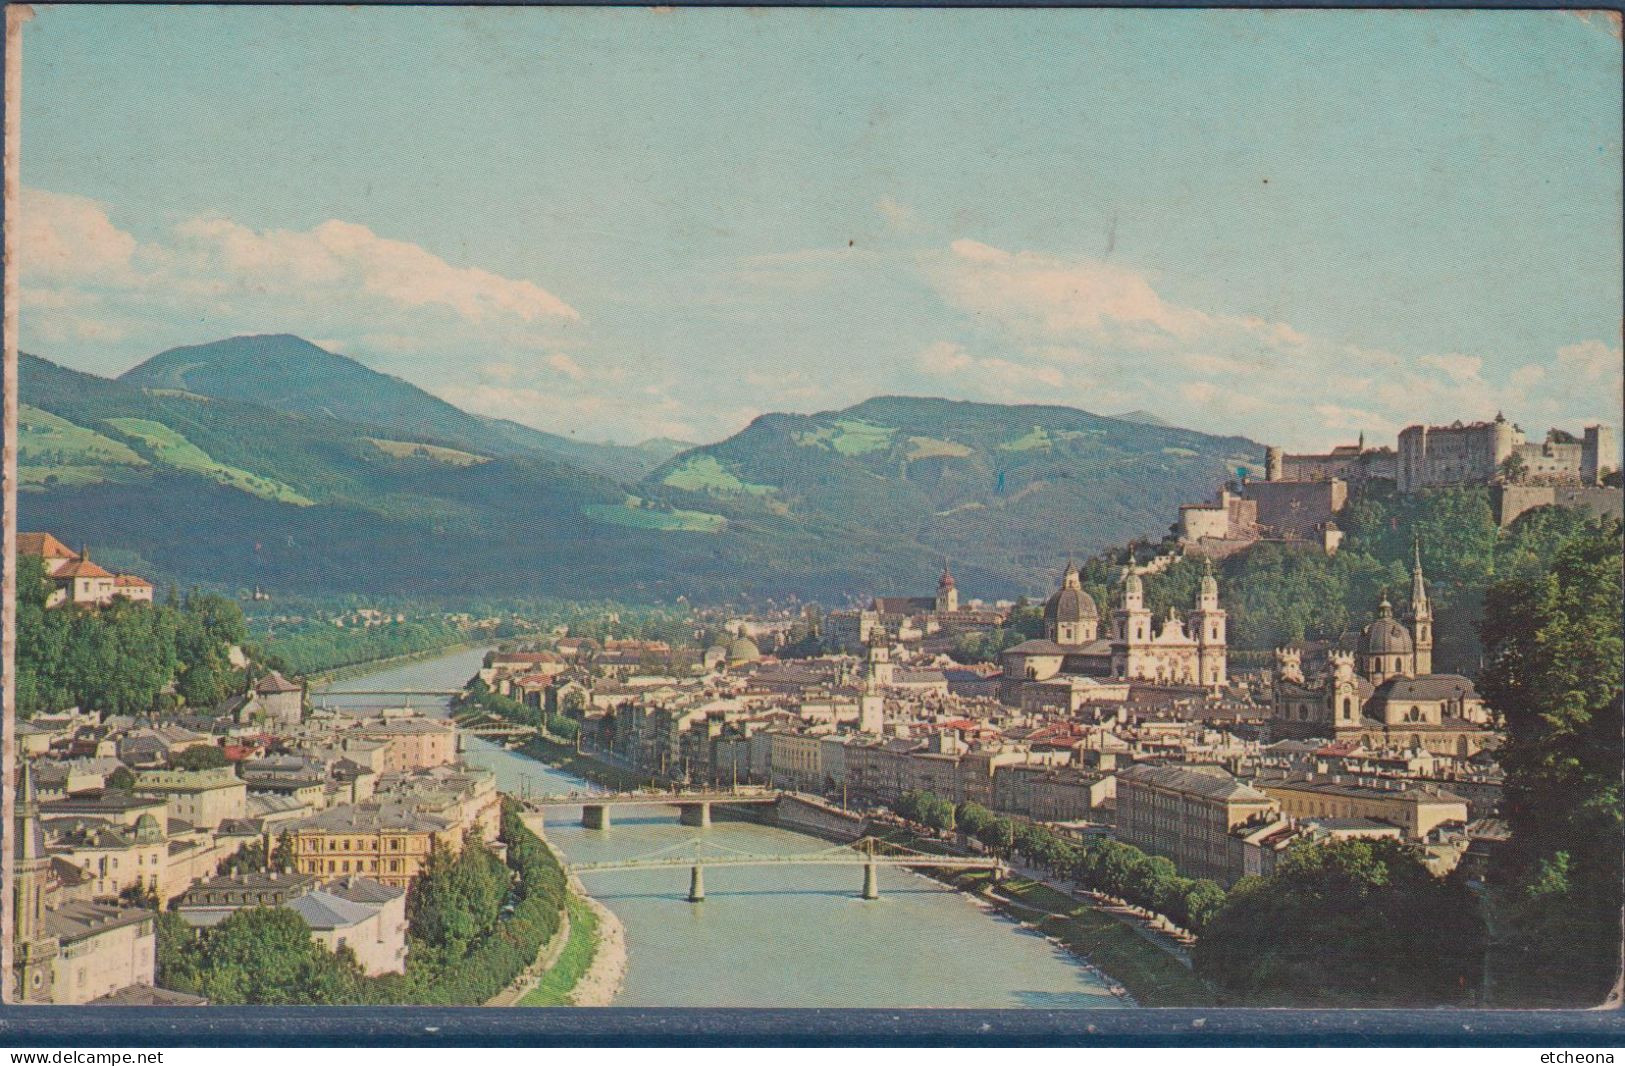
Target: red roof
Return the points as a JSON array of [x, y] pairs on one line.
[[44, 545], [130, 581], [81, 568], [274, 682]]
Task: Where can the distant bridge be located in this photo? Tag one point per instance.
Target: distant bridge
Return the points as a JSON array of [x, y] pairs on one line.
[[693, 808], [865, 853], [441, 693], [499, 730]]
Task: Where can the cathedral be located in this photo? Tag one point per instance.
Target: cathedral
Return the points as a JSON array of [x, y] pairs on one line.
[[1384, 694], [1184, 651]]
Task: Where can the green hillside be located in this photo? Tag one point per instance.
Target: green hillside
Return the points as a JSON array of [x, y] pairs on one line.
[[1002, 491], [288, 373], [832, 506]]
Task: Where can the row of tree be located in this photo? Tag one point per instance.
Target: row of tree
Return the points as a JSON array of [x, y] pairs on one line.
[[1556, 679], [126, 657], [1098, 864]]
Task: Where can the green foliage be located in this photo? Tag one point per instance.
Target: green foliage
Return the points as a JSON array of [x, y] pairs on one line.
[[115, 659], [266, 955], [318, 646], [1554, 679], [200, 757], [455, 900], [1345, 923], [466, 945]]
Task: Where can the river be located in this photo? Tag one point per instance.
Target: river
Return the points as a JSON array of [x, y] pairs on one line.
[[772, 936]]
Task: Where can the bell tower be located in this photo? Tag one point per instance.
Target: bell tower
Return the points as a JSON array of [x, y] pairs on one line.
[[1421, 617], [1207, 624], [35, 949], [947, 592]]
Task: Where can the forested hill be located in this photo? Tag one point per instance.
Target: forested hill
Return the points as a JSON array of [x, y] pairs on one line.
[[288, 373], [1002, 491], [275, 486]]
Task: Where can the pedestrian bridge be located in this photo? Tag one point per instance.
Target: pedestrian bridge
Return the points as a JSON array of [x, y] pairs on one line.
[[694, 808], [869, 853]]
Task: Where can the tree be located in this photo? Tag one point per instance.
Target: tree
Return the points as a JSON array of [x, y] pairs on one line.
[[1357, 922], [200, 757], [266, 955], [121, 780], [1555, 681]]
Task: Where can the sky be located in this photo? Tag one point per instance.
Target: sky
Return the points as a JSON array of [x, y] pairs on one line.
[[621, 224]]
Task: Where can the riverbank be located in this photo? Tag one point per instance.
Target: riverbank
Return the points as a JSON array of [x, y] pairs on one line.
[[590, 963], [1151, 976], [565, 758]]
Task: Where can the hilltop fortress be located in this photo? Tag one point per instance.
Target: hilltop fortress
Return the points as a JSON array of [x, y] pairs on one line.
[[1302, 493]]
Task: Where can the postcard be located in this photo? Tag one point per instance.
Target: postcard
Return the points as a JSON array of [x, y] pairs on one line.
[[1074, 510]]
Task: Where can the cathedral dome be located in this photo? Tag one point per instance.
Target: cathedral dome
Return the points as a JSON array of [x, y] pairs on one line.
[[1070, 605], [1385, 636], [743, 650]]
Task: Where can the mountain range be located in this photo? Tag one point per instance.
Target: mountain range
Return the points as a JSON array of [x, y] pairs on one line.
[[270, 461]]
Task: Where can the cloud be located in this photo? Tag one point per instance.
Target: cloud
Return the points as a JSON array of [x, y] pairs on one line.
[[347, 257], [566, 366], [944, 357], [62, 237]]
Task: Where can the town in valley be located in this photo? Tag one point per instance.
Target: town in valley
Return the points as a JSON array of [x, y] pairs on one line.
[[1108, 744]]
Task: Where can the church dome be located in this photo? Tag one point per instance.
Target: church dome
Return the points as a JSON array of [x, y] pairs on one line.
[[1070, 604], [743, 650], [1384, 636]]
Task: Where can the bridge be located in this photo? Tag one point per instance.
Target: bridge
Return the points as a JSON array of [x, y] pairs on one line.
[[436, 693], [693, 808], [866, 853], [499, 730]]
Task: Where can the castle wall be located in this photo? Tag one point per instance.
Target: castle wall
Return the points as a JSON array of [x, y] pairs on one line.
[[1297, 507], [1510, 501]]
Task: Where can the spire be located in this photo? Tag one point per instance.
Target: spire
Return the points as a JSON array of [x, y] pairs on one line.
[[1419, 590]]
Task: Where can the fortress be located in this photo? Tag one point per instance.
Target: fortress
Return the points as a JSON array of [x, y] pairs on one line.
[[1302, 493]]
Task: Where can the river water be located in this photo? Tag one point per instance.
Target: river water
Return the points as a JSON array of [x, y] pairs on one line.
[[770, 936]]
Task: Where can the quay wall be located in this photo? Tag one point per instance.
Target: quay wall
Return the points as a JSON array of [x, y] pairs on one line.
[[819, 819]]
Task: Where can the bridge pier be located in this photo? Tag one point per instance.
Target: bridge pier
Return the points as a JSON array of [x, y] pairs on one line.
[[696, 884], [871, 881], [595, 815], [694, 814]]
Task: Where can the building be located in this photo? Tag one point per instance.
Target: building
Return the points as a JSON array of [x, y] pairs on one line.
[[1383, 694], [1181, 651], [358, 913], [1352, 463], [279, 700], [68, 950], [77, 580], [387, 842], [1480, 452], [202, 798], [1416, 809], [1186, 813]]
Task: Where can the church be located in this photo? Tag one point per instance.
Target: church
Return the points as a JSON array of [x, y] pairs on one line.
[[1188, 651], [1384, 694]]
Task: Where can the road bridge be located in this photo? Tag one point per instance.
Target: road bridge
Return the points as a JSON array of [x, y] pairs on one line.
[[694, 808], [869, 853], [435, 693]]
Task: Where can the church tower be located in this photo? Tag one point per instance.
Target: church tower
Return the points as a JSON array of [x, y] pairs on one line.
[[877, 674], [35, 950], [947, 592], [878, 667], [1132, 622], [1343, 693], [1421, 618], [1208, 624]]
